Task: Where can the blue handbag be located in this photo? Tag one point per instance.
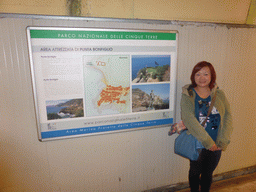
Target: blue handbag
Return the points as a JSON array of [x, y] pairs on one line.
[[187, 146]]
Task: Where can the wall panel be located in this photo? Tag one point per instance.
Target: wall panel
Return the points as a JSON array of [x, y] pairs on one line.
[[23, 160], [238, 80], [129, 161]]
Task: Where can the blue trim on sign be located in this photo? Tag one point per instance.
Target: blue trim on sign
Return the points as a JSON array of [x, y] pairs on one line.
[[105, 128]]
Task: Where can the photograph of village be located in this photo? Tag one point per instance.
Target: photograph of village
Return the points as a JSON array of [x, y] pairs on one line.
[[150, 68]]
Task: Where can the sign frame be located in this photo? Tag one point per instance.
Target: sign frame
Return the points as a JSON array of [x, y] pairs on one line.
[[57, 56]]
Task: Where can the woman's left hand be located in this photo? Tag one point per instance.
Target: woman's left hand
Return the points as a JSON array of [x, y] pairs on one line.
[[214, 148]]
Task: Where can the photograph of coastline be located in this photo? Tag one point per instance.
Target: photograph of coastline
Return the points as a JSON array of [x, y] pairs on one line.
[[150, 97], [151, 68], [67, 108]]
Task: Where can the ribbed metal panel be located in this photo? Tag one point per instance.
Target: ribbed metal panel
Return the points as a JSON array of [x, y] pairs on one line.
[[130, 161]]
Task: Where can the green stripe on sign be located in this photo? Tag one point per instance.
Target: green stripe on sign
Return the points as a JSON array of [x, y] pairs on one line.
[[62, 34]]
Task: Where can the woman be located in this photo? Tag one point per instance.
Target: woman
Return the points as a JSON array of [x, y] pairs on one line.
[[215, 135]]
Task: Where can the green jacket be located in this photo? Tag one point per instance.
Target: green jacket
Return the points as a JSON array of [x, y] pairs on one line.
[[190, 121]]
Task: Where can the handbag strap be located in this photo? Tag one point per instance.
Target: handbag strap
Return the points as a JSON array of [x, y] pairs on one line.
[[210, 109]]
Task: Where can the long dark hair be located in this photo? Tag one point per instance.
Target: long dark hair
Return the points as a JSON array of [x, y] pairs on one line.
[[198, 67]]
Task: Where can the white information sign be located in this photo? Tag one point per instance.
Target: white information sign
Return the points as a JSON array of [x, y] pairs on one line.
[[95, 81]]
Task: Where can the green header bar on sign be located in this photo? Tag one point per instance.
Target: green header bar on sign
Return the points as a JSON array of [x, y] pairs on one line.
[[65, 34]]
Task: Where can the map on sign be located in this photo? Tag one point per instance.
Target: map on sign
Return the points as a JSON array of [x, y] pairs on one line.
[[107, 84]]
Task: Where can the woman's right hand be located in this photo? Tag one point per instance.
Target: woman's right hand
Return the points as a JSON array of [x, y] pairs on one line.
[[180, 127], [214, 148]]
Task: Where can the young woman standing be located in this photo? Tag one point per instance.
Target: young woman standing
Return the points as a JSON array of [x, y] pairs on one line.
[[215, 135]]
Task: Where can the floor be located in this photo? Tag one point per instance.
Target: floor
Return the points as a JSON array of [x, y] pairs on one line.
[[245, 183]]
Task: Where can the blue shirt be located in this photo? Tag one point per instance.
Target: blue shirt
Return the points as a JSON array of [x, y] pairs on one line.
[[213, 121]]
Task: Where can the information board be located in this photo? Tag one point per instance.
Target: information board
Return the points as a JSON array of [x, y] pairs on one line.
[[95, 81]]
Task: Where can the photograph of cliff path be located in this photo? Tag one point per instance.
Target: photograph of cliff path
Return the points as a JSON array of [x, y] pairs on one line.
[[151, 68], [61, 109]]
